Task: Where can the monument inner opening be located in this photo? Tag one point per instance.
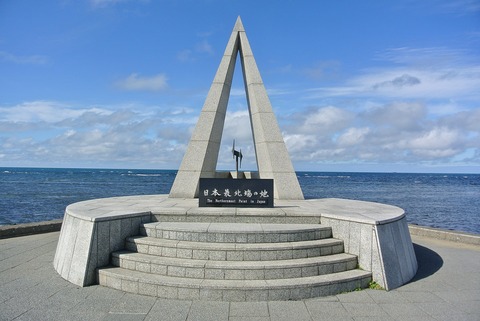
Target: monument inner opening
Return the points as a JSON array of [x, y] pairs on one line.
[[237, 127]]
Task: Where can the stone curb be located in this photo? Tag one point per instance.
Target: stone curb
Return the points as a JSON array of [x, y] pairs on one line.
[[440, 234], [7, 231]]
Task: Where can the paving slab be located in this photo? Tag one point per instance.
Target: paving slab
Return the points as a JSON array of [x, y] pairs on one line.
[[249, 309], [325, 310], [169, 310], [289, 310], [446, 287], [205, 311]]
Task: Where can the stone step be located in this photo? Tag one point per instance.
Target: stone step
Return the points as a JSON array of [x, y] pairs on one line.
[[235, 270], [235, 232], [232, 290], [233, 251]]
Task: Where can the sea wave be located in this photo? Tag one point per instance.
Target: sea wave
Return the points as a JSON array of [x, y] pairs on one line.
[[147, 175]]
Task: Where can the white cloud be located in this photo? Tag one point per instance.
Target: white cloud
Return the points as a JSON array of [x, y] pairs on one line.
[[45, 111], [353, 136], [436, 138], [31, 60], [103, 3], [379, 132], [399, 82], [106, 3], [200, 48], [399, 115], [461, 6], [323, 70], [323, 120], [297, 143], [52, 133], [467, 120], [458, 83], [422, 109], [407, 114], [455, 7], [418, 73], [204, 47], [430, 57], [237, 126], [237, 92], [185, 55], [135, 82], [393, 133]]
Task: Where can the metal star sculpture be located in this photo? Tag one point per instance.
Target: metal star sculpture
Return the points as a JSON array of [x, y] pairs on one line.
[[237, 155]]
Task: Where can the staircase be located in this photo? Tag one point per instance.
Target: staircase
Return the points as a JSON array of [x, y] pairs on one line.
[[233, 262]]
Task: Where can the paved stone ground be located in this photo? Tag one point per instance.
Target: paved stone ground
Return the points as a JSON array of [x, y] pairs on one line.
[[446, 287]]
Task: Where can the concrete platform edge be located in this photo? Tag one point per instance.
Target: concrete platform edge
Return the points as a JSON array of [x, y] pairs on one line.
[[16, 230]]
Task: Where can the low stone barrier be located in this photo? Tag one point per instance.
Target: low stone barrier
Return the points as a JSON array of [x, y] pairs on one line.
[[7, 231], [448, 235]]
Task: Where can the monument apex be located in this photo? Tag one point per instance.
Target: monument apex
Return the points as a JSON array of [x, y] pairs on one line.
[[201, 157]]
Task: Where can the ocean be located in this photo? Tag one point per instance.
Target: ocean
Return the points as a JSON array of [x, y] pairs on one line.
[[447, 201]]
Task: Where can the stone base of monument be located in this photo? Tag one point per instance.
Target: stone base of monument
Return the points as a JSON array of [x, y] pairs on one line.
[[234, 262], [171, 248]]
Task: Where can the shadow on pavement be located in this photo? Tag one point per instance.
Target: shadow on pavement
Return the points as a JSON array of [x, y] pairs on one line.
[[429, 262]]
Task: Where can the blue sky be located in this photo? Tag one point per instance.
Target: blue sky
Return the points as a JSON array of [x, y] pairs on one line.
[[355, 85]]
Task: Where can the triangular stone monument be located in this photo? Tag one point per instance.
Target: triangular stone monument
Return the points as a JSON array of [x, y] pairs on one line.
[[200, 160]]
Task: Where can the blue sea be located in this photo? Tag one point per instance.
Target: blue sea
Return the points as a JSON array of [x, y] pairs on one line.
[[448, 201]]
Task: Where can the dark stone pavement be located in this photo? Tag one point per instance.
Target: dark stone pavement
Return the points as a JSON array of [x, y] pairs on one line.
[[446, 287]]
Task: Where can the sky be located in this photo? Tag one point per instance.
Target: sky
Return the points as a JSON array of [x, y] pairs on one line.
[[376, 86]]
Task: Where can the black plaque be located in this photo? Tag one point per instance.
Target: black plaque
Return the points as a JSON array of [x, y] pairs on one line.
[[223, 192]]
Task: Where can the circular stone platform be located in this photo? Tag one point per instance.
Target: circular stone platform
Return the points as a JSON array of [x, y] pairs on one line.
[[377, 234], [163, 206]]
